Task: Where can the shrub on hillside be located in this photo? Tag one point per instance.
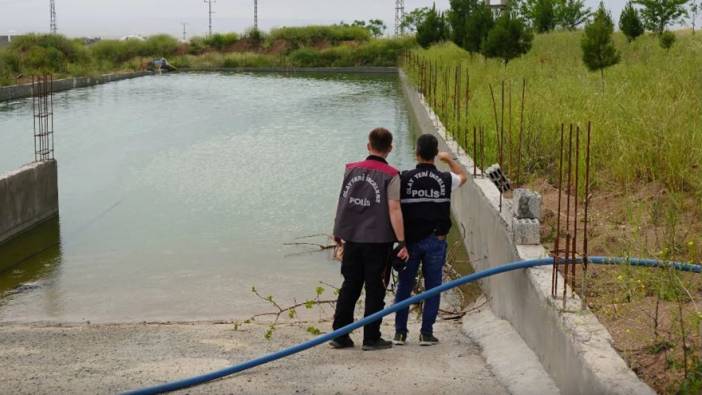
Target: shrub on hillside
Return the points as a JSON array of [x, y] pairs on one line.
[[298, 37], [217, 41], [667, 39], [47, 53], [160, 45]]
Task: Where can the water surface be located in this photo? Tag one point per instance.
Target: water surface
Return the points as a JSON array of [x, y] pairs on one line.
[[177, 192]]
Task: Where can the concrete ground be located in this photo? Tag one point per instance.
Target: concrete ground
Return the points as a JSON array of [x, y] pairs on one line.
[[52, 358]]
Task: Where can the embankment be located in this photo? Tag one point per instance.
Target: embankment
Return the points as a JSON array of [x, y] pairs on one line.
[[14, 92], [574, 348], [28, 196]]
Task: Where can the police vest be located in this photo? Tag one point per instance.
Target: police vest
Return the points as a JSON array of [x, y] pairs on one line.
[[426, 202], [362, 214]]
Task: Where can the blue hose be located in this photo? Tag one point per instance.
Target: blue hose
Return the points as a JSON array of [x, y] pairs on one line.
[[193, 381]]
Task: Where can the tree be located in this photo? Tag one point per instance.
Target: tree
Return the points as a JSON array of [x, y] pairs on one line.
[[375, 27], [433, 29], [457, 17], [694, 11], [658, 14], [571, 13], [667, 39], [508, 39], [541, 14], [478, 26], [598, 49], [414, 18], [630, 22]]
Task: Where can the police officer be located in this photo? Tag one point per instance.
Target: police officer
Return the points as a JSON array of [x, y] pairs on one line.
[[426, 208], [368, 223]]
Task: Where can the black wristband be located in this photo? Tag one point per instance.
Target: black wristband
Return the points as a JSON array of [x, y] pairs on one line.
[[401, 244]]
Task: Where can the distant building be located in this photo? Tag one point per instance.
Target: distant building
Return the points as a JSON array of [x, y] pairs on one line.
[[497, 6], [132, 37]]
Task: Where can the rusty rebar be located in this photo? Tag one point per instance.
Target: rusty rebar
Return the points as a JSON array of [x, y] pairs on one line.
[[587, 218], [565, 281], [575, 209], [509, 132], [568, 192], [554, 280], [497, 120], [475, 151], [502, 124], [521, 134]]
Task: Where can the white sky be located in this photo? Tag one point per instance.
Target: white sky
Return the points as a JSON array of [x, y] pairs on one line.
[[114, 18]]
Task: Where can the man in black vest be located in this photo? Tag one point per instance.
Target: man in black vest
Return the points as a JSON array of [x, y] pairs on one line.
[[368, 221], [426, 209]]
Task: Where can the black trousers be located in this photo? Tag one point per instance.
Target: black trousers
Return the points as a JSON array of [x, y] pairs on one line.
[[369, 264]]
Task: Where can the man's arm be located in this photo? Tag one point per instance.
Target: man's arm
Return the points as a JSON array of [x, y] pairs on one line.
[[454, 166], [398, 226]]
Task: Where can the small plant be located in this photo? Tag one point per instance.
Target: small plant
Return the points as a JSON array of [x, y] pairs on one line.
[[667, 39], [630, 22]]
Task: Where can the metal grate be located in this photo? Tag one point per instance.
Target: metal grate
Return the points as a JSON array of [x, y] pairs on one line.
[[43, 108]]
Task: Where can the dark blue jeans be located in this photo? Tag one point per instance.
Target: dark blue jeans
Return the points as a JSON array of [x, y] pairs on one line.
[[431, 253]]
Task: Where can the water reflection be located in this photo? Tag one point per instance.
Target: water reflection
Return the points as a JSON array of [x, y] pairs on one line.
[[32, 257]]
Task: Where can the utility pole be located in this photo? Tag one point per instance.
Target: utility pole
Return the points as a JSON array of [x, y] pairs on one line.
[[209, 4], [399, 17], [52, 13], [185, 34], [255, 15]]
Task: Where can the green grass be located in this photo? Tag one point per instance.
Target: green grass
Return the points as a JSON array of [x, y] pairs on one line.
[[647, 124]]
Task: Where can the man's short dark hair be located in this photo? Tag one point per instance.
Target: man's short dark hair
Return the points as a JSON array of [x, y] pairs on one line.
[[380, 140], [427, 147]]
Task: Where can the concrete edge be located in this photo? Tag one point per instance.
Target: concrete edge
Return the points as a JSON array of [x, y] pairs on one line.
[[572, 345], [14, 92], [25, 206], [343, 70], [499, 344]]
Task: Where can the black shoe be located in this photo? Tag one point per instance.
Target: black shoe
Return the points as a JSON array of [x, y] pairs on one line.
[[428, 340], [379, 344], [400, 339], [341, 342]]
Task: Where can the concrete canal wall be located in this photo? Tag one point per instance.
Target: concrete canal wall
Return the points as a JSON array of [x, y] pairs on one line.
[[28, 196], [14, 92], [574, 348]]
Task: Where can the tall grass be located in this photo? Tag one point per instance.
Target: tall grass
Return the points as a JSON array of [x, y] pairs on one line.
[[647, 122], [306, 36]]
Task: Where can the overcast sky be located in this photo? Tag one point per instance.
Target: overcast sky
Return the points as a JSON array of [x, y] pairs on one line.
[[114, 18]]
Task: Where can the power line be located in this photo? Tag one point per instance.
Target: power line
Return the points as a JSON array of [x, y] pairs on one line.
[[52, 13], [399, 17], [210, 12]]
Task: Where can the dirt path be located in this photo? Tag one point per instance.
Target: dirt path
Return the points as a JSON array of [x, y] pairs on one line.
[[46, 358]]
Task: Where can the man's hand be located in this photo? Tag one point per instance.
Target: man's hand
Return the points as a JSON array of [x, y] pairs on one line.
[[403, 254], [445, 157]]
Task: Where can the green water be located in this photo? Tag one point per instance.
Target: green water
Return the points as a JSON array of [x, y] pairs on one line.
[[177, 192]]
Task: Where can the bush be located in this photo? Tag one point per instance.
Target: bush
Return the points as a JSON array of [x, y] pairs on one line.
[[298, 37], [197, 46], [116, 52], [158, 46], [45, 53], [218, 41], [433, 28], [667, 39], [249, 59]]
